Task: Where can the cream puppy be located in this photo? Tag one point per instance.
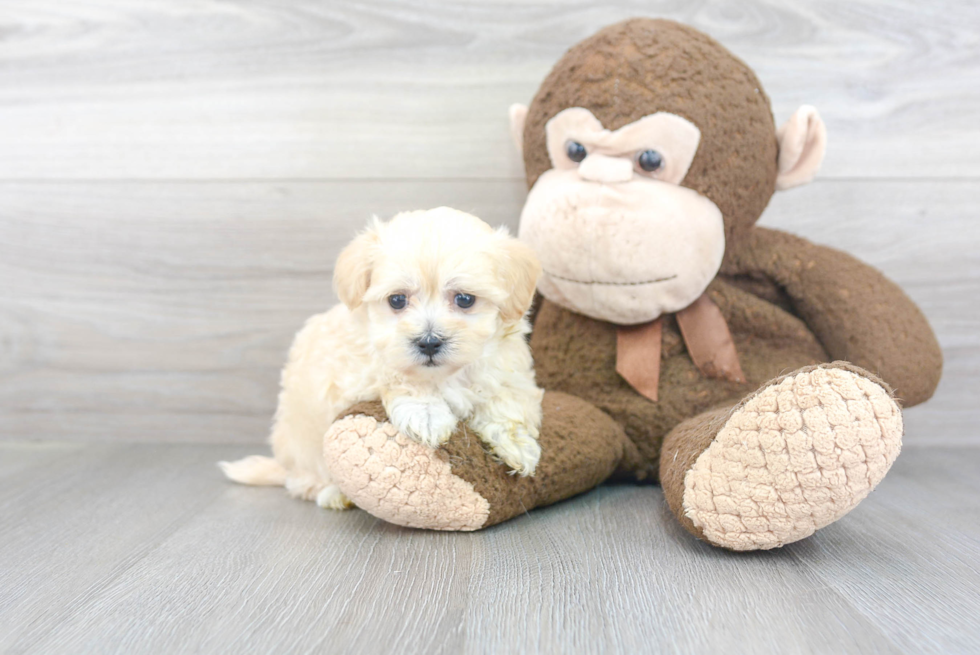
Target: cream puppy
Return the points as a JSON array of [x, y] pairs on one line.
[[432, 324]]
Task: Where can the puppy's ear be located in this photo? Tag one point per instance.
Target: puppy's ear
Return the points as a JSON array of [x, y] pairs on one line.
[[518, 269], [352, 274]]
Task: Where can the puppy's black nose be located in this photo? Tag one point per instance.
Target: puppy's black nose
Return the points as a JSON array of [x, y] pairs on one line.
[[429, 345]]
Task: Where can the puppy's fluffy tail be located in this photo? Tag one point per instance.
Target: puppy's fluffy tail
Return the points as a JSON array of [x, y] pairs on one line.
[[255, 470]]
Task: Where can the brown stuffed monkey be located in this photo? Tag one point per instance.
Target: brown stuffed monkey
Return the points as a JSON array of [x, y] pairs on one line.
[[756, 376]]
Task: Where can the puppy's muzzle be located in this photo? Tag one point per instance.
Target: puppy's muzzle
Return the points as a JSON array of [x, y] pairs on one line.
[[429, 345]]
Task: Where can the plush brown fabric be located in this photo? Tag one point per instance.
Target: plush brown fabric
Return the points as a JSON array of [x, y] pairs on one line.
[[839, 308], [682, 447], [641, 66], [856, 313], [581, 448], [374, 409], [577, 355]]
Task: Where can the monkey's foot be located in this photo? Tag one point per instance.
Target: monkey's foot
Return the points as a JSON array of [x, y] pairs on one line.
[[399, 480], [797, 455], [461, 485]]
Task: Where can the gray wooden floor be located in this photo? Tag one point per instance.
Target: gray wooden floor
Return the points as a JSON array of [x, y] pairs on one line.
[[114, 548], [176, 179]]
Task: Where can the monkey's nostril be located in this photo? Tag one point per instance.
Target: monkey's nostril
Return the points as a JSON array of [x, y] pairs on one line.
[[429, 345]]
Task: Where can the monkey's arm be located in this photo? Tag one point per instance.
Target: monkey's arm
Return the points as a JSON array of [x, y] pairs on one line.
[[857, 313]]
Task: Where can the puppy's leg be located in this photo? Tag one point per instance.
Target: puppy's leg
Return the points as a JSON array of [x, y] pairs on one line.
[[331, 497], [426, 419], [297, 442], [512, 443], [303, 485], [313, 487], [509, 424]]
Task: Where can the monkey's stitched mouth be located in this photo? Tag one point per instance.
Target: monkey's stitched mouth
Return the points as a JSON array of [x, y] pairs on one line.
[[612, 284]]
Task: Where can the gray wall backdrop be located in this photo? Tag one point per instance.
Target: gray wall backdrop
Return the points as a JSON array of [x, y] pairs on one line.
[[177, 176]]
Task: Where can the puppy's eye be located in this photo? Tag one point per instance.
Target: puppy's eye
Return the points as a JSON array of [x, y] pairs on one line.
[[464, 300], [650, 160], [575, 151], [397, 301]]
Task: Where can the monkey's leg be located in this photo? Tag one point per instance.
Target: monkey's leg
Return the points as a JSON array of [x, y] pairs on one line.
[[796, 455], [460, 486]]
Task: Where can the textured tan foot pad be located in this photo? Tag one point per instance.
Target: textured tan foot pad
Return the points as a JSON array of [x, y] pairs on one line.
[[399, 480], [795, 457]]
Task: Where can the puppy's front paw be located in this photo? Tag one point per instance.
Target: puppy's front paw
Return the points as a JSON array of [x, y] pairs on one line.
[[428, 421], [514, 445]]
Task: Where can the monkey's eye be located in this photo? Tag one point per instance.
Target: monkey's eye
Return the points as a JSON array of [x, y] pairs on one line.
[[397, 301], [464, 300], [575, 151], [650, 160]]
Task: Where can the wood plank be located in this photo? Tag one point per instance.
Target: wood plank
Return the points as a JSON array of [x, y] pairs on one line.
[[157, 307], [162, 311], [18, 456], [138, 548], [614, 572], [907, 560], [298, 89], [610, 571], [70, 525], [261, 572]]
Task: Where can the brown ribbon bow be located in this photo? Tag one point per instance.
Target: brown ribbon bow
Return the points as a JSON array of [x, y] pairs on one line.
[[706, 335]]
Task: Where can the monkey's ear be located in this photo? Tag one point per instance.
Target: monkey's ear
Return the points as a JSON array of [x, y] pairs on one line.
[[518, 114], [518, 272], [802, 143], [352, 273]]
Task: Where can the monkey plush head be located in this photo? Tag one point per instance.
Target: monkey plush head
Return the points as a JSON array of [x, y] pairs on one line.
[[649, 149]]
